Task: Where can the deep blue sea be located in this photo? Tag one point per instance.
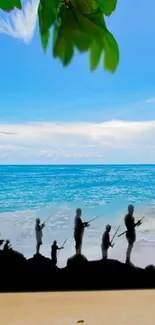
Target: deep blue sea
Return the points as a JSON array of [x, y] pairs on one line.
[[27, 192]]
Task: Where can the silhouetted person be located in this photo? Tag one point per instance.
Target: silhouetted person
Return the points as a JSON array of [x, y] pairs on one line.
[[39, 234], [1, 241], [79, 230], [130, 224], [54, 249], [7, 246], [106, 242]]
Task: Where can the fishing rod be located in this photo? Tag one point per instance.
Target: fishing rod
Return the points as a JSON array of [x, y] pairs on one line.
[[99, 215], [124, 232], [115, 234], [95, 218], [47, 219], [63, 243], [51, 215], [92, 219]]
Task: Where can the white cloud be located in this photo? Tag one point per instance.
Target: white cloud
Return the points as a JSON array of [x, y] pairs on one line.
[[21, 24], [150, 100], [107, 142]]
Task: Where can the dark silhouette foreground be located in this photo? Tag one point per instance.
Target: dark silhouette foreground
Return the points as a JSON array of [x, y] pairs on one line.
[[39, 274]]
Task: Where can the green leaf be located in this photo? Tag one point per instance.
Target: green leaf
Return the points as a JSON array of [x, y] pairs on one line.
[[91, 24], [62, 46], [107, 6], [45, 40], [80, 39], [8, 5], [47, 13], [69, 23], [98, 19], [95, 54], [85, 6], [111, 52], [82, 42]]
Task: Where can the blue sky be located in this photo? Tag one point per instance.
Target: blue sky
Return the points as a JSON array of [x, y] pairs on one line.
[[34, 87]]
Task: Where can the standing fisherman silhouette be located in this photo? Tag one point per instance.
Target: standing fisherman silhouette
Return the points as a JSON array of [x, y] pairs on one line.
[[130, 224], [54, 249], [79, 231], [39, 235], [106, 242]]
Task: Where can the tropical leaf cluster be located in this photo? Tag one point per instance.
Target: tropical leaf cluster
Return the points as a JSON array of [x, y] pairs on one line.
[[72, 25]]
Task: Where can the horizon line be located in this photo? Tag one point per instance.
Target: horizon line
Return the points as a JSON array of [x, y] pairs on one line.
[[72, 164]]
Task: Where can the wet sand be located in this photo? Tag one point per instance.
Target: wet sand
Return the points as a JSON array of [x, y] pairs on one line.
[[113, 307]]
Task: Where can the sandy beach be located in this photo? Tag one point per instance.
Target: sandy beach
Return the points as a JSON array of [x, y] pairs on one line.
[[115, 307]]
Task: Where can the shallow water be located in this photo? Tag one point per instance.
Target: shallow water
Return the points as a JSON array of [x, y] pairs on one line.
[[27, 192]]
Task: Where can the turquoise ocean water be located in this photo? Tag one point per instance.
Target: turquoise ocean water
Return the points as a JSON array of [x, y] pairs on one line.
[[27, 192]]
